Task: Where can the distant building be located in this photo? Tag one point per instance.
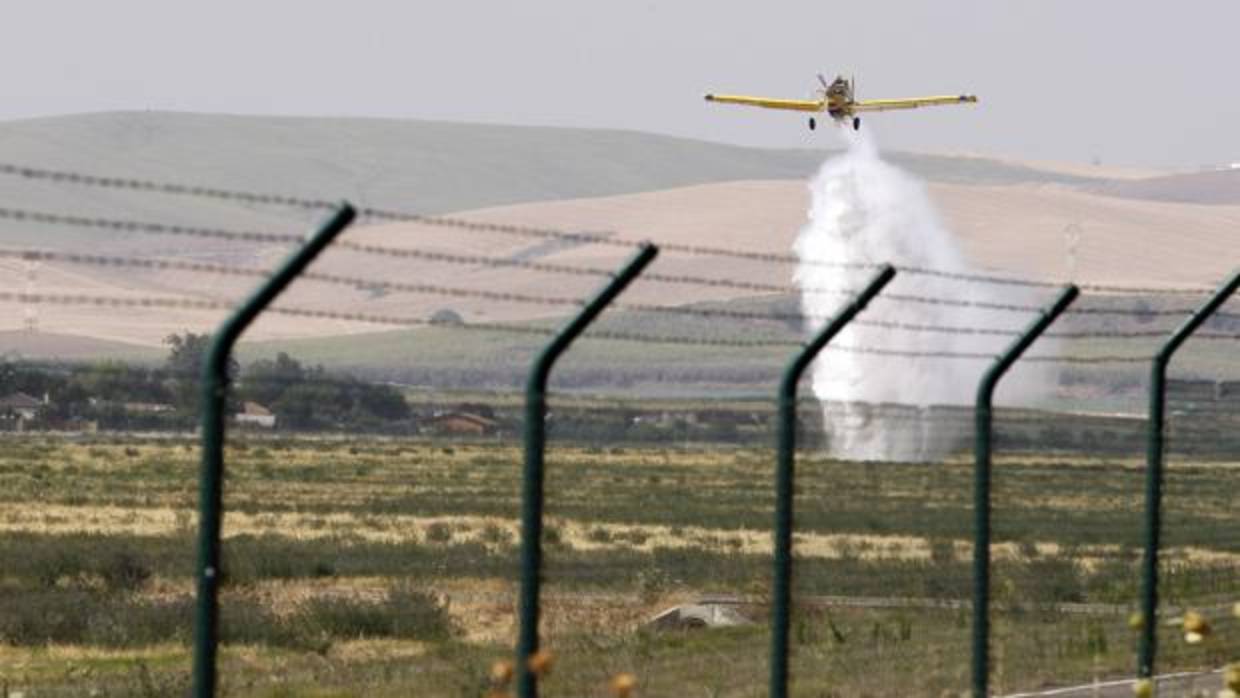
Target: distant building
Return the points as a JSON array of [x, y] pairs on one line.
[[257, 415], [21, 407], [462, 423]]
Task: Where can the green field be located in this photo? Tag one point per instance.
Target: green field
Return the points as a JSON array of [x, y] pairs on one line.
[[387, 567]]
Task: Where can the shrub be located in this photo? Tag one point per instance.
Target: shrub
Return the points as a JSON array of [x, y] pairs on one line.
[[404, 613], [50, 569], [496, 534], [637, 536], [654, 583], [446, 316], [439, 532], [37, 618], [124, 571], [134, 622], [1045, 581], [78, 616], [942, 552], [244, 621], [345, 617], [263, 557], [419, 614]]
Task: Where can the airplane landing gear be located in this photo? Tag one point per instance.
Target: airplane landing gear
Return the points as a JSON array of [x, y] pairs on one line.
[[812, 124], [856, 123]]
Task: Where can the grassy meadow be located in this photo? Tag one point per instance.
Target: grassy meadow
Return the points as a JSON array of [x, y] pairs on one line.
[[388, 568]]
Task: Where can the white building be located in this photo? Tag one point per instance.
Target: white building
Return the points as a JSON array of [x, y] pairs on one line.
[[257, 415]]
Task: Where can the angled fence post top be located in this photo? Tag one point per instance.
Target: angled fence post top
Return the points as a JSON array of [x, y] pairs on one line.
[[1148, 649], [214, 391], [981, 483], [801, 361], [1005, 360], [785, 474], [535, 445]]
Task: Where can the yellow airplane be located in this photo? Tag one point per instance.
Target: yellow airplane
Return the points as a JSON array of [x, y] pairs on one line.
[[836, 99]]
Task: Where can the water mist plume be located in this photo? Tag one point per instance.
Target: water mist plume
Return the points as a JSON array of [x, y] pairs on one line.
[[866, 211]]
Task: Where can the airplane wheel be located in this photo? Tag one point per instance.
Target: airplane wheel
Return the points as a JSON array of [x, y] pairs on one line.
[[812, 124], [856, 123]]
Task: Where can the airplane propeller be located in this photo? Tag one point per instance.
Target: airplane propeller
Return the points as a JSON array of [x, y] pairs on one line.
[[826, 87]]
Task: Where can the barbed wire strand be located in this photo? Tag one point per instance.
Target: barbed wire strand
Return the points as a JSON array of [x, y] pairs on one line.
[[604, 238], [25, 215], [366, 284], [362, 283], [196, 304]]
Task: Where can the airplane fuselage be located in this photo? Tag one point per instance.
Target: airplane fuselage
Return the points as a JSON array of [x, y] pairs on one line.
[[837, 99]]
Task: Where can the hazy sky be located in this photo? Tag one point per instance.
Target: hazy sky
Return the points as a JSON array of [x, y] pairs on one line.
[[1138, 82]]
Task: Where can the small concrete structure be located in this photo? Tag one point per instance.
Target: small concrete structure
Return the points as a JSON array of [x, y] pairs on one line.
[[709, 612], [462, 423]]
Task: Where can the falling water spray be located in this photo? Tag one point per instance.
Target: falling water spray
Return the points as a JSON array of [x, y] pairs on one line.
[[877, 406]]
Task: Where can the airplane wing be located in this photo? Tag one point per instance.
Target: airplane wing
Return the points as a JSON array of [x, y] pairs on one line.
[[911, 103], [793, 104]]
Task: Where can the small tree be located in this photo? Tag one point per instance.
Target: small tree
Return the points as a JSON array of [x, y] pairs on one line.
[[447, 316], [265, 381], [186, 354]]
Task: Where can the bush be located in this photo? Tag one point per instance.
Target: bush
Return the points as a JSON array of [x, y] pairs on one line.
[[50, 569], [639, 537], [496, 535], [346, 618], [1043, 582], [404, 613], [85, 617], [246, 622], [124, 571], [419, 614], [248, 559], [439, 532], [37, 618], [447, 316]]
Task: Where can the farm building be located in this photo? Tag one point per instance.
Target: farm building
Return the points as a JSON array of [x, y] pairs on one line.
[[21, 407], [257, 415]]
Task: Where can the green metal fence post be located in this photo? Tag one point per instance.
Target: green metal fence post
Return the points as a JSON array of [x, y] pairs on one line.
[[214, 391], [535, 445], [785, 473], [1154, 472], [981, 485]]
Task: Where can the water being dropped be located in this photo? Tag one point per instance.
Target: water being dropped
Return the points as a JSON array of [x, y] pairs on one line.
[[865, 211]]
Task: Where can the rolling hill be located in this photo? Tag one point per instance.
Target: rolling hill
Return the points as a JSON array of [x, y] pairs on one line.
[[1010, 217]]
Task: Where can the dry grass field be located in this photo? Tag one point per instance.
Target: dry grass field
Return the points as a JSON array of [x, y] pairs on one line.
[[388, 567]]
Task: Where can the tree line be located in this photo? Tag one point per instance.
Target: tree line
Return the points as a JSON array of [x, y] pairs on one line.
[[119, 395]]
